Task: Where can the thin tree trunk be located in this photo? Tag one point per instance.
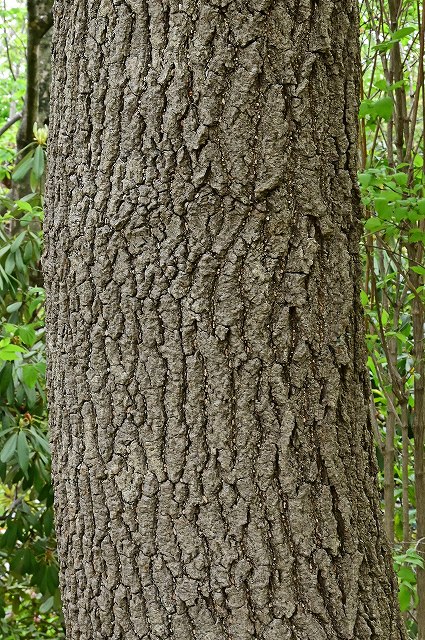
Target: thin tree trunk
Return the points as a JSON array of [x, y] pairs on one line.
[[212, 454], [389, 483], [405, 472], [38, 72], [418, 317]]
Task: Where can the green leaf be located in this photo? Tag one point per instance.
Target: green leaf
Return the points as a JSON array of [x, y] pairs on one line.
[[365, 179], [385, 46], [401, 212], [420, 270], [29, 375], [400, 178], [384, 317], [48, 522], [23, 167], [365, 108], [416, 235], [39, 162], [27, 334], [402, 33], [421, 206], [383, 209], [374, 224], [23, 452], [404, 597], [406, 574], [396, 334], [381, 85], [13, 307], [9, 265], [52, 579], [17, 242], [4, 250], [23, 206], [19, 262], [28, 252], [9, 448], [364, 298], [40, 439], [384, 108], [34, 181], [5, 377], [11, 352], [47, 605]]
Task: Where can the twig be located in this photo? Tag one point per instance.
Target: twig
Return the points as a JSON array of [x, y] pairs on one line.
[[10, 123]]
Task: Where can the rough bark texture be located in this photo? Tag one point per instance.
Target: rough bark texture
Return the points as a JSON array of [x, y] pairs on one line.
[[213, 463]]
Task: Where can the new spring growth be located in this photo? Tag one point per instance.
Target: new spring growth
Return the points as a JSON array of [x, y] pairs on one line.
[[40, 133]]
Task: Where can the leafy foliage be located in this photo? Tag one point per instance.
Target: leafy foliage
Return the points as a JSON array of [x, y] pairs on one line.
[[29, 594], [392, 186]]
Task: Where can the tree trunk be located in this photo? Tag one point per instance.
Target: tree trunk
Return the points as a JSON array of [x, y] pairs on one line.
[[39, 16], [213, 461]]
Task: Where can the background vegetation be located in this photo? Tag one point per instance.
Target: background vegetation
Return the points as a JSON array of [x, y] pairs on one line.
[[391, 178]]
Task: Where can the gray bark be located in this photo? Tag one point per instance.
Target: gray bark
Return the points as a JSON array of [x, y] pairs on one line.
[[212, 457]]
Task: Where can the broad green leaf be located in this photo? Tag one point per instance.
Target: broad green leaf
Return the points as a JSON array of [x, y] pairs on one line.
[[364, 298], [404, 597], [389, 194], [365, 108], [23, 452], [27, 334], [384, 317], [47, 605], [385, 46], [17, 242], [420, 270], [398, 335], [402, 33], [9, 448], [28, 252], [13, 307], [40, 439], [39, 162], [8, 539], [23, 167], [5, 377], [52, 579], [9, 265], [381, 85], [19, 262], [406, 574], [400, 178], [11, 352], [416, 235], [34, 182], [23, 206], [374, 224], [29, 375], [384, 108], [383, 209], [365, 179], [4, 250], [48, 522]]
